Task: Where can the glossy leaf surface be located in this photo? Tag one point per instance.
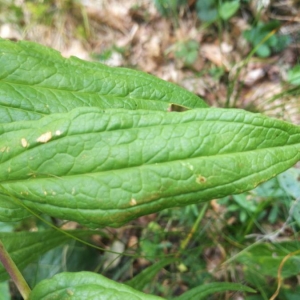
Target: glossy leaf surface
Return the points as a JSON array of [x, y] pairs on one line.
[[85, 285], [105, 168], [36, 81]]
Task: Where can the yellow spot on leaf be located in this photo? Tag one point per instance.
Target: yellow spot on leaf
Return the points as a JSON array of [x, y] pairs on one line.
[[58, 132], [45, 137], [69, 292], [45, 193], [24, 143], [3, 149], [188, 165], [132, 202]]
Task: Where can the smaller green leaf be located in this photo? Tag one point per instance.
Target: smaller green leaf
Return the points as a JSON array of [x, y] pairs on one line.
[[294, 75], [290, 182], [142, 279], [265, 258], [207, 10], [282, 42], [202, 291], [295, 211], [4, 291], [10, 211], [272, 40], [261, 284], [208, 16], [73, 256], [290, 293], [263, 51], [85, 285], [228, 9], [188, 51], [168, 8], [26, 247]]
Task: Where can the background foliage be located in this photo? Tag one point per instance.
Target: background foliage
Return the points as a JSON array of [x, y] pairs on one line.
[[231, 53]]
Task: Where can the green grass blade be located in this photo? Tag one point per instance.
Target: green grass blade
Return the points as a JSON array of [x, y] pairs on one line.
[[139, 281], [201, 292]]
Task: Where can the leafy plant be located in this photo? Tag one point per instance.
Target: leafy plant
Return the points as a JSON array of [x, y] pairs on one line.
[[168, 8], [11, 13], [265, 40], [207, 10], [187, 51], [294, 75], [245, 207], [216, 72], [98, 145], [212, 10], [228, 8]]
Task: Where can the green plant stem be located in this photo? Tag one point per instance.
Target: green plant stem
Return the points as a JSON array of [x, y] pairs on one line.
[[86, 23], [14, 272], [185, 242]]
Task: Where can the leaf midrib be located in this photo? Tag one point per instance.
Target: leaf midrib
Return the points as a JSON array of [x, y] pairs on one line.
[[65, 135], [118, 96], [213, 156]]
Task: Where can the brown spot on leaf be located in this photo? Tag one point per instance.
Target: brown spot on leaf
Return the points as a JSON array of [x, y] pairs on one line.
[[200, 179]]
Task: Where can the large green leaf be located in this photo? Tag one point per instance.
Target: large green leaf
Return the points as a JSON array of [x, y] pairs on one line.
[[36, 81], [85, 285], [26, 247], [104, 168]]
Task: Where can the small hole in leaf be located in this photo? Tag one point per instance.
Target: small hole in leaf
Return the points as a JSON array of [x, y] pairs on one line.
[[178, 108]]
